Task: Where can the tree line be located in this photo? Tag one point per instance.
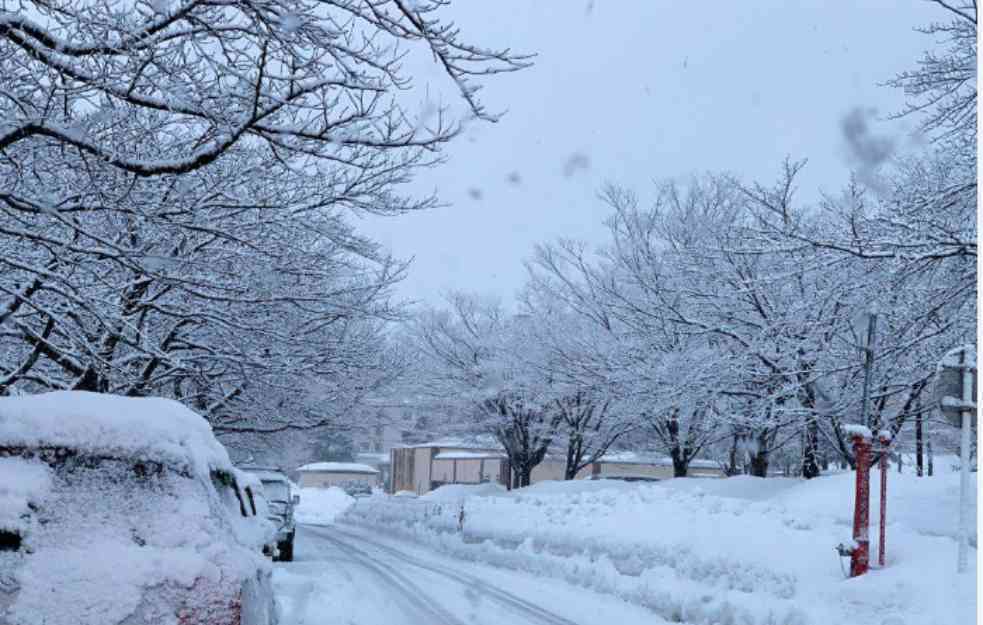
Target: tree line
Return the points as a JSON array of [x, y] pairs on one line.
[[729, 319], [177, 181]]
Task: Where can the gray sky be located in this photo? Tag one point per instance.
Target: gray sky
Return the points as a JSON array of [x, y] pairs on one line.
[[630, 91]]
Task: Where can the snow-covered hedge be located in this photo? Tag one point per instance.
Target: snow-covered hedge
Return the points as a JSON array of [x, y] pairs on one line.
[[741, 550]]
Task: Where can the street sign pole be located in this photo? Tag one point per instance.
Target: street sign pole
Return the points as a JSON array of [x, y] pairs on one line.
[[955, 391], [967, 400]]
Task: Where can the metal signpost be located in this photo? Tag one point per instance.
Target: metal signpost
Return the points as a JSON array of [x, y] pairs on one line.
[[955, 391]]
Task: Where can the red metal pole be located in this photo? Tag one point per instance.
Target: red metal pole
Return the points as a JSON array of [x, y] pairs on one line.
[[881, 545], [860, 558]]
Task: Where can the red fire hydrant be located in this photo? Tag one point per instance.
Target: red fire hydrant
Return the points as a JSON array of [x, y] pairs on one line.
[[860, 556]]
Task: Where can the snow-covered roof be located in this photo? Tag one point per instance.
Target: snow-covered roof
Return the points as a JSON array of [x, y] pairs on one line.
[[156, 429], [468, 455], [474, 442], [268, 475], [337, 467]]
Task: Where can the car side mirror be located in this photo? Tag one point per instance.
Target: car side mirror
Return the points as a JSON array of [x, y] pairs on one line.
[[295, 500]]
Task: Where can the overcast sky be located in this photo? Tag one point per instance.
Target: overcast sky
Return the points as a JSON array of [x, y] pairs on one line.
[[630, 91]]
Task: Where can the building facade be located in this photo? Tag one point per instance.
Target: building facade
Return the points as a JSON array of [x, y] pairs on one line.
[[422, 468], [327, 474]]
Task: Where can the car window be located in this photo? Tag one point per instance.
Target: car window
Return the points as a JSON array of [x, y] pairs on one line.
[[276, 491], [228, 491]]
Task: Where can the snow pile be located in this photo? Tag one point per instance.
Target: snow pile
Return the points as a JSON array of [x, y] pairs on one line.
[[320, 506], [157, 429], [455, 492], [738, 550]]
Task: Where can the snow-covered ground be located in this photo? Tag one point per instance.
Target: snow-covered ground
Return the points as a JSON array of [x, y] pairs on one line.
[[350, 575], [737, 550], [320, 506]]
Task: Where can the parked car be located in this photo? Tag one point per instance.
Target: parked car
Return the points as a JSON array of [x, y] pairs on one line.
[[282, 501], [258, 509], [123, 511]]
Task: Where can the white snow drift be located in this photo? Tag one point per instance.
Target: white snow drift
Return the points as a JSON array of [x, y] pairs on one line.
[[741, 550]]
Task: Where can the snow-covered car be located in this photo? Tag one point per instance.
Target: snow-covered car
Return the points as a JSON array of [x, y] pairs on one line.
[[123, 511], [258, 509], [278, 491]]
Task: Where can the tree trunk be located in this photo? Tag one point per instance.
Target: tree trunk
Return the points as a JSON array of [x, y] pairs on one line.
[[525, 475], [732, 460], [928, 447], [918, 442], [680, 464], [810, 461], [759, 463], [571, 472]]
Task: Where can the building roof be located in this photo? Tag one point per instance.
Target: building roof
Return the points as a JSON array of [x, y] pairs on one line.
[[337, 467], [469, 455], [470, 442]]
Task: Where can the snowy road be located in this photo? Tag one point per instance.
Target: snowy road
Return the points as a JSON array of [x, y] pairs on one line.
[[345, 575]]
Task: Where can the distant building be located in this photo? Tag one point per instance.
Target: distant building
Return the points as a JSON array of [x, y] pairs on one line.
[[327, 474], [379, 462], [424, 467], [421, 468]]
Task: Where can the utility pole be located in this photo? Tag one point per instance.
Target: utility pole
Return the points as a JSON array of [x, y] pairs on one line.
[[868, 367], [968, 362]]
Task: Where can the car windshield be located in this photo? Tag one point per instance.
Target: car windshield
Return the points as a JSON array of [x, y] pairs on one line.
[[276, 491]]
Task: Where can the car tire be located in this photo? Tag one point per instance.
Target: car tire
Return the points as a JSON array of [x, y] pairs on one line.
[[286, 549]]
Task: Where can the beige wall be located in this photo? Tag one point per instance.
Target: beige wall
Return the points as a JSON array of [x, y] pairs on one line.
[[468, 471], [554, 469], [402, 469], [421, 469], [320, 479], [613, 469]]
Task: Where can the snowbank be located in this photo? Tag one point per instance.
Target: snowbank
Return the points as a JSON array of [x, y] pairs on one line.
[[455, 492], [320, 506], [158, 429], [738, 550]]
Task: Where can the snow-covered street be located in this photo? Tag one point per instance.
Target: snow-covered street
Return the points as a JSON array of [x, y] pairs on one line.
[[343, 574]]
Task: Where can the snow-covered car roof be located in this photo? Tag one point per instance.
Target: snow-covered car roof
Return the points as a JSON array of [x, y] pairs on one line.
[[268, 475], [155, 429]]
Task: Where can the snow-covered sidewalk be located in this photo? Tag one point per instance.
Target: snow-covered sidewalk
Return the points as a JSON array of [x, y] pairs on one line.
[[739, 550]]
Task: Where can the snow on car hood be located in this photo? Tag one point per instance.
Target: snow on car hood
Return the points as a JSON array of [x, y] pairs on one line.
[[22, 482], [158, 429]]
